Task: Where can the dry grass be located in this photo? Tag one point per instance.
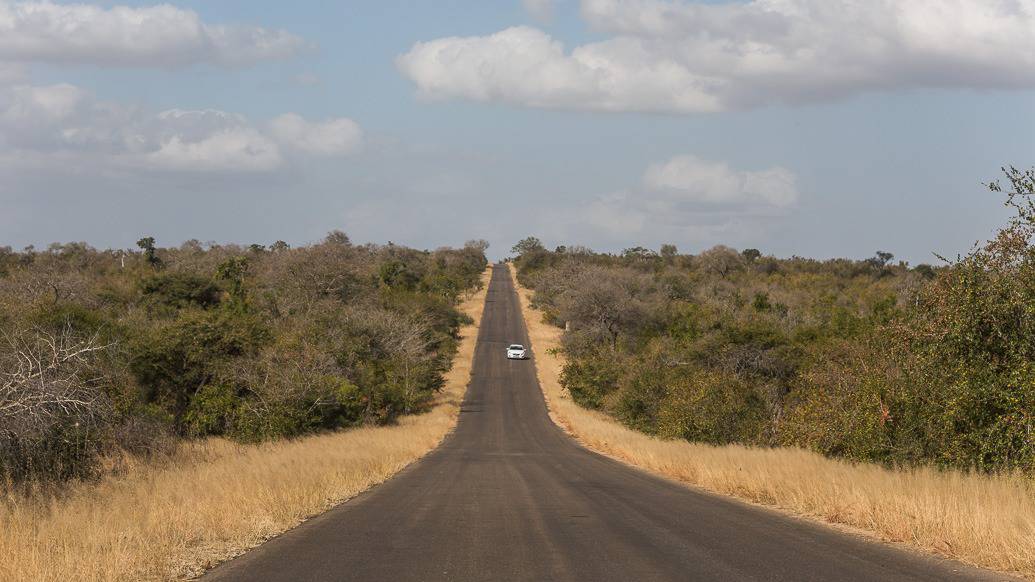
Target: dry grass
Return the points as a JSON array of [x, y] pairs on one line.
[[216, 498], [981, 520]]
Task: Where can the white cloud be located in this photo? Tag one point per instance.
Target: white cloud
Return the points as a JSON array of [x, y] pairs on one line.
[[333, 137], [28, 105], [685, 198], [685, 57], [160, 35], [51, 117], [541, 10], [204, 141], [66, 123], [689, 179], [234, 150], [621, 219], [524, 66]]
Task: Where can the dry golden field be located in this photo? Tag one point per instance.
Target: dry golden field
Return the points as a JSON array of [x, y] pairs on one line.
[[982, 520], [214, 499]]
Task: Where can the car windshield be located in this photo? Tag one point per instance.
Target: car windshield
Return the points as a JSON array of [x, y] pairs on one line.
[[517, 347]]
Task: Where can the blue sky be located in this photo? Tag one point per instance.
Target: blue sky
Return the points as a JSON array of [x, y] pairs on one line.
[[345, 122]]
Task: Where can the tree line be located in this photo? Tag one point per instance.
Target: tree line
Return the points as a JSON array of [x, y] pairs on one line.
[[135, 350], [871, 360]]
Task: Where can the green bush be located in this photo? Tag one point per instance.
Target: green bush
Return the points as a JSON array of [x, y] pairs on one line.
[[212, 410], [172, 361], [712, 407], [238, 341], [177, 290], [591, 379]]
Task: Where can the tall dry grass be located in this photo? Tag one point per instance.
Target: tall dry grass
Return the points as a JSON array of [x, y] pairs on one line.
[[214, 499], [983, 520]]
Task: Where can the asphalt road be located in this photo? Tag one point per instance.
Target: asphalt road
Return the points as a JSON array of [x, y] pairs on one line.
[[510, 497]]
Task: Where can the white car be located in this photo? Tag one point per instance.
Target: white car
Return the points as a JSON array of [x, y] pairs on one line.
[[516, 352]]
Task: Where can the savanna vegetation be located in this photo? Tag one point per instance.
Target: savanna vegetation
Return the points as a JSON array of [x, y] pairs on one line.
[[112, 351], [866, 360], [986, 519]]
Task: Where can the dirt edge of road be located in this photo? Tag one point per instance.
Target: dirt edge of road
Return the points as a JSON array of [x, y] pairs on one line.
[[983, 521]]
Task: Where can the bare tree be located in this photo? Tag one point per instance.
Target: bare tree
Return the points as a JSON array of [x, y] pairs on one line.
[[403, 338], [49, 282], [294, 380], [407, 340], [47, 381], [48, 377], [720, 260], [305, 276], [605, 301]]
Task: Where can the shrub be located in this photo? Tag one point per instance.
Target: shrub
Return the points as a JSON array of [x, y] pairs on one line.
[[712, 407], [173, 361], [591, 379], [55, 415], [238, 341], [178, 290]]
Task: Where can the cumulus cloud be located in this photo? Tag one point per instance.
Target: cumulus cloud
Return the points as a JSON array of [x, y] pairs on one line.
[[332, 137], [686, 57], [541, 10], [161, 35], [51, 117], [204, 141], [689, 179], [684, 198], [28, 105], [65, 122], [681, 190], [524, 66], [620, 220], [241, 150]]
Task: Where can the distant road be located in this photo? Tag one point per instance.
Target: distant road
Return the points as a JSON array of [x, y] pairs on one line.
[[510, 497]]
